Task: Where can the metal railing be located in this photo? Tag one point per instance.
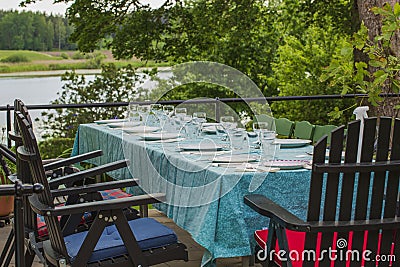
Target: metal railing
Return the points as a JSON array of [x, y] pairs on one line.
[[217, 101]]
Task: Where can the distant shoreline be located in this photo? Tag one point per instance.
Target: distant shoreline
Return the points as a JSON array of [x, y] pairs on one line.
[[47, 73], [60, 72]]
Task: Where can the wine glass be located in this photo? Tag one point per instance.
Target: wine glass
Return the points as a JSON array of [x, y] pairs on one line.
[[157, 109], [144, 111], [200, 117], [168, 110], [228, 122], [258, 128], [180, 113], [133, 114]]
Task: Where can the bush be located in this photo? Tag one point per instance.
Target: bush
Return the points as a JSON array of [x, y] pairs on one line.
[[78, 55], [15, 58], [64, 55], [56, 147]]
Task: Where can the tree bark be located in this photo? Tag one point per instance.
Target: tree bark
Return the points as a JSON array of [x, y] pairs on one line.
[[374, 24]]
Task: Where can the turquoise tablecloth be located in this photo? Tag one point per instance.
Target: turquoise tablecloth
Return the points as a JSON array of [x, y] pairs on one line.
[[206, 201]]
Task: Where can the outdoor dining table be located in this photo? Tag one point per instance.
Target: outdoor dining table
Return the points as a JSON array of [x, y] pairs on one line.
[[204, 198]]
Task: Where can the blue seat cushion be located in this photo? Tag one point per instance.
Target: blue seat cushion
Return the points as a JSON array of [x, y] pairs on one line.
[[148, 232]]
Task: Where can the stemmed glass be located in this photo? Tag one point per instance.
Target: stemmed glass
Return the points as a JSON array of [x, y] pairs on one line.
[[259, 128], [198, 119], [228, 124], [180, 113], [168, 110], [166, 122], [157, 109], [133, 114], [144, 111]]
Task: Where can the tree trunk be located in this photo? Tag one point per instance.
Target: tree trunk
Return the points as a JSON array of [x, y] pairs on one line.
[[374, 25]]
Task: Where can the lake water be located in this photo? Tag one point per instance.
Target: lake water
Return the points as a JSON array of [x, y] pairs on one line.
[[39, 90], [31, 90]]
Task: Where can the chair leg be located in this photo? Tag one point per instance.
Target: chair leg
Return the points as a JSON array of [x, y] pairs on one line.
[[144, 211], [8, 248], [10, 255], [29, 257]]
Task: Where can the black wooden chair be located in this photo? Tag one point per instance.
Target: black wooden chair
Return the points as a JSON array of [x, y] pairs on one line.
[[19, 190], [63, 174], [111, 240], [352, 206]]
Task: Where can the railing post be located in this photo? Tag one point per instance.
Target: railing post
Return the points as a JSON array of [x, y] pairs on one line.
[[8, 125], [217, 109], [19, 225]]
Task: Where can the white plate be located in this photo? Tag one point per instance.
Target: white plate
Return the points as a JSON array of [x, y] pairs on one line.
[[209, 130], [203, 146], [159, 136], [287, 164], [141, 129], [124, 124], [209, 127], [292, 142], [234, 159], [110, 121]]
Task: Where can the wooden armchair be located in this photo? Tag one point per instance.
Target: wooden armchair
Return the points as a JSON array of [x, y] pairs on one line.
[[111, 240], [352, 206], [62, 174]]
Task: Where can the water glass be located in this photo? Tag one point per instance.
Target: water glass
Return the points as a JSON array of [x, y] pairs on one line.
[[269, 149], [239, 140]]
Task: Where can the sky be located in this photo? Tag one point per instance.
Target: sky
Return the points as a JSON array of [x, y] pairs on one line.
[[48, 6]]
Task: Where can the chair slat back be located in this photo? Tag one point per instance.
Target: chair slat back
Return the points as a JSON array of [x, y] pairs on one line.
[[30, 152], [284, 127], [303, 130], [356, 195]]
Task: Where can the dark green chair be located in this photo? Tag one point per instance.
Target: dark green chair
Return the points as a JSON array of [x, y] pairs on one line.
[[321, 130], [265, 118], [303, 130], [284, 127]]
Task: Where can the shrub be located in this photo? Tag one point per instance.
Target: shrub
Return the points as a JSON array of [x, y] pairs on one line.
[[64, 55], [15, 58], [78, 55], [56, 147]]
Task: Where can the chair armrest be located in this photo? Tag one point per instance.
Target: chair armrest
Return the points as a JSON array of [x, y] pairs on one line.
[[8, 154], [111, 204], [71, 178], [15, 137], [72, 160], [270, 209], [93, 187], [359, 225]]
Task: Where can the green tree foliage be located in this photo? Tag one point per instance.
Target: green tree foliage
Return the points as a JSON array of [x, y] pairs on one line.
[[298, 69], [281, 45], [113, 85], [380, 74], [34, 31]]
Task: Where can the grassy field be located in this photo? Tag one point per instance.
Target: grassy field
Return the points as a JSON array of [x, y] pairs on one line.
[[64, 60], [30, 55]]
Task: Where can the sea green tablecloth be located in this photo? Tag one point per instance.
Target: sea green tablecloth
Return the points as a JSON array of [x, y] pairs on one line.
[[206, 201]]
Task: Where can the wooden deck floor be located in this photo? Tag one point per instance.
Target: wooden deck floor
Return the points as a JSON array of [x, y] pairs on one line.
[[195, 250]]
